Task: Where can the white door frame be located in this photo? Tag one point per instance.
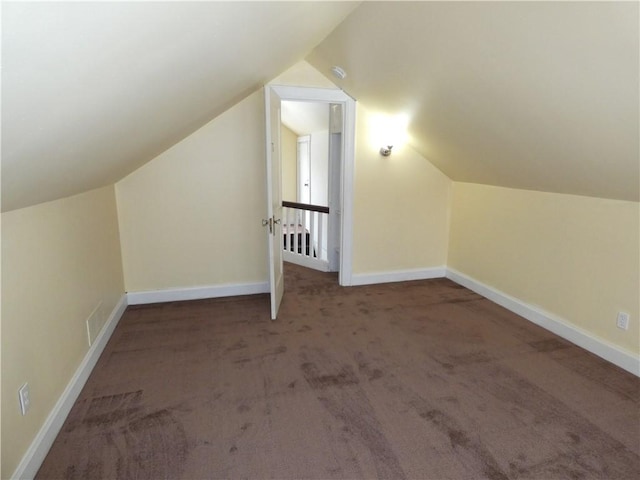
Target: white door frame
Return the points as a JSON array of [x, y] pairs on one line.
[[303, 169], [308, 94]]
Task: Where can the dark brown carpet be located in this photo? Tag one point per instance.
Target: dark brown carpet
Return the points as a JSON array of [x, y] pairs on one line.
[[422, 380]]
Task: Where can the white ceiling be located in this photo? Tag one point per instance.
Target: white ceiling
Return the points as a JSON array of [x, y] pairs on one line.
[[536, 95], [91, 91], [304, 118], [533, 95]]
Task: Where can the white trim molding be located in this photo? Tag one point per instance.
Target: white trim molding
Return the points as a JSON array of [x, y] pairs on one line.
[[335, 95], [398, 275], [37, 451], [561, 327], [304, 261], [196, 293]]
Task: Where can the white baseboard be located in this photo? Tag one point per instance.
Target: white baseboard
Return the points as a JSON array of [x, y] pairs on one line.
[[561, 327], [304, 261], [196, 293], [397, 276], [37, 451]]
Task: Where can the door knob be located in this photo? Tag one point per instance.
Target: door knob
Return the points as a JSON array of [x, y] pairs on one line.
[[271, 222]]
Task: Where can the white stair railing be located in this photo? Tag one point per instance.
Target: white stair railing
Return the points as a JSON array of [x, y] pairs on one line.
[[305, 234]]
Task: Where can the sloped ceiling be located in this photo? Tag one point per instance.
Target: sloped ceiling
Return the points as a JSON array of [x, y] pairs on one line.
[[91, 91], [533, 95], [304, 118]]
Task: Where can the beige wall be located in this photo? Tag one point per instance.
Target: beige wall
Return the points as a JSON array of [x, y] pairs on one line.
[[289, 149], [192, 216], [59, 261], [401, 207], [575, 257], [303, 74]]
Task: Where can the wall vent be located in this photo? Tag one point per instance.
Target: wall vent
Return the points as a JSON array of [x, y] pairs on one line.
[[95, 323]]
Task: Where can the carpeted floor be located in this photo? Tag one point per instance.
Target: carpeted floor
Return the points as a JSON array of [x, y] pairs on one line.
[[420, 380]]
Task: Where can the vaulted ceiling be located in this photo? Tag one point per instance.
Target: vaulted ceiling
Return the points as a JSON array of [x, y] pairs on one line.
[[535, 95], [93, 90]]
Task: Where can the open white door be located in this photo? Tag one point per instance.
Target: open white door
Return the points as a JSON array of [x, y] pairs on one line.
[[274, 199]]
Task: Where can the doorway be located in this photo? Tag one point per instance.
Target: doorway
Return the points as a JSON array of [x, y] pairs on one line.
[[343, 108], [311, 151]]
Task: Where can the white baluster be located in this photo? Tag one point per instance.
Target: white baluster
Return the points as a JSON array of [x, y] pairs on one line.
[[303, 250], [296, 230], [312, 232], [288, 238], [285, 214], [320, 234]]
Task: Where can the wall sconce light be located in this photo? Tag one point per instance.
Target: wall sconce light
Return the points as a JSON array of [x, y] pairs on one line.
[[388, 132], [386, 151]]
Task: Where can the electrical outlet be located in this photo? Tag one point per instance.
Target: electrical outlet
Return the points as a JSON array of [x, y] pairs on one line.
[[25, 398], [622, 321]]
